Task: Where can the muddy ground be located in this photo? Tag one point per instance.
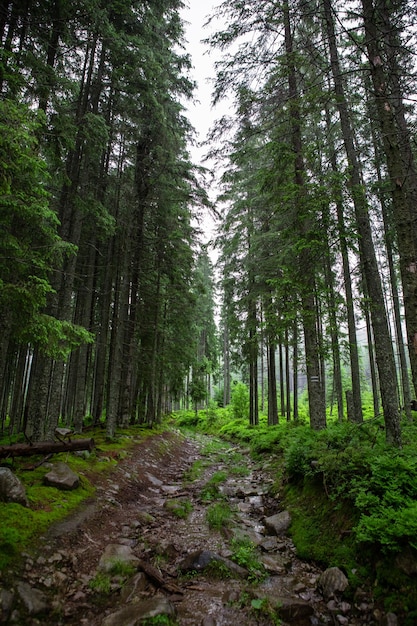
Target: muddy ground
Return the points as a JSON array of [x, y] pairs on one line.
[[132, 508]]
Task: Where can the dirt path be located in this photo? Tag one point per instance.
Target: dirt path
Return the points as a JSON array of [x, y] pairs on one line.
[[138, 506]]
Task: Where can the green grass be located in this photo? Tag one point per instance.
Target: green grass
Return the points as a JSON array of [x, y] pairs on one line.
[[218, 515], [179, 507], [211, 489], [195, 471]]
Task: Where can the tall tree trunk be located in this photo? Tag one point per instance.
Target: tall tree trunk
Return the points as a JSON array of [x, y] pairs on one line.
[[226, 366], [382, 50], [383, 342], [272, 384], [309, 313], [356, 414]]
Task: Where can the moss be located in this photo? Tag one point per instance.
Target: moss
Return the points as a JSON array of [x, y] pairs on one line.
[[21, 526], [320, 528]]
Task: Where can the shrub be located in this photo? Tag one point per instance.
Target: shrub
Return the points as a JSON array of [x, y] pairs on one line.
[[240, 401]]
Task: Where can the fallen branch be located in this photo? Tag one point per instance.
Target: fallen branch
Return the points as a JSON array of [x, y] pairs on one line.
[[156, 577], [45, 447]]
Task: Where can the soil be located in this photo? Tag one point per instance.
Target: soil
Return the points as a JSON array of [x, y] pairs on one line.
[[131, 508]]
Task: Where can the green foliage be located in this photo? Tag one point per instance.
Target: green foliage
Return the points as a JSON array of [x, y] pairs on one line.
[[211, 490], [187, 419], [159, 620], [218, 515], [240, 401], [262, 608], [21, 526], [218, 570], [194, 472], [179, 507], [101, 583], [121, 568], [246, 555]]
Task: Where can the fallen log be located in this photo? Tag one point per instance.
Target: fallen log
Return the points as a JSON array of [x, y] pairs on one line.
[[45, 447], [157, 579]]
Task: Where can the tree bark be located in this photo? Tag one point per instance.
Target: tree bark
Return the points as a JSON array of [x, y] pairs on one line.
[[45, 447], [315, 383], [383, 343]]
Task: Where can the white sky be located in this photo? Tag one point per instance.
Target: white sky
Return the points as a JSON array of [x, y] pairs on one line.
[[195, 15], [201, 115]]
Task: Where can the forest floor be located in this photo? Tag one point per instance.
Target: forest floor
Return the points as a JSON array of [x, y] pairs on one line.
[[157, 503]]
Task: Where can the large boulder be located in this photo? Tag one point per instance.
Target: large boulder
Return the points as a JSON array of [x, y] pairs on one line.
[[278, 524], [117, 553], [62, 477], [331, 582], [11, 489]]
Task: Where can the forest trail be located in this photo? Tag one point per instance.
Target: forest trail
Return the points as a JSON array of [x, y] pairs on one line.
[[138, 508]]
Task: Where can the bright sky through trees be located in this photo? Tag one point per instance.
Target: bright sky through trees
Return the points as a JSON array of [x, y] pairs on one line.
[[200, 112]]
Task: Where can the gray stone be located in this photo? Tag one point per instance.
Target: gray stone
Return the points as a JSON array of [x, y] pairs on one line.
[[117, 553], [293, 608], [154, 480], [390, 619], [275, 563], [135, 614], [145, 518], [269, 544], [199, 560], [278, 524], [6, 604], [62, 477], [332, 581], [33, 599], [288, 607], [11, 489]]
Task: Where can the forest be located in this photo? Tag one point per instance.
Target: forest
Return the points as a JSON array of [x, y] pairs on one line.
[[108, 297], [112, 310]]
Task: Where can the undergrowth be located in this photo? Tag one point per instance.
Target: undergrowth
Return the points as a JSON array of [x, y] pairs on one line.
[[352, 497]]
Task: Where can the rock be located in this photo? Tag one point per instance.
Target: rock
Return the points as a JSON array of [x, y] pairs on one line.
[[269, 544], [145, 518], [278, 524], [6, 604], [11, 489], [292, 608], [62, 477], [116, 553], [390, 619], [199, 560], [288, 607], [33, 599], [331, 581], [275, 563], [208, 621], [135, 614], [154, 480]]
